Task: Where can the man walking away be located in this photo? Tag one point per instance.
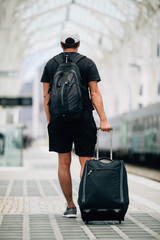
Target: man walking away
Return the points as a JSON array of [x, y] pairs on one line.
[[63, 131]]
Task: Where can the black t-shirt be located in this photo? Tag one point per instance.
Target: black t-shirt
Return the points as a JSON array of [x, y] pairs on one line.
[[88, 72]]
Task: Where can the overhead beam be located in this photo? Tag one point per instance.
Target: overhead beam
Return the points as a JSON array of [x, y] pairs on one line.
[[98, 12]]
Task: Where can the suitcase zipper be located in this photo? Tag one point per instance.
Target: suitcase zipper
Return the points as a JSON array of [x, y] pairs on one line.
[[98, 169], [121, 184], [89, 172], [84, 187]]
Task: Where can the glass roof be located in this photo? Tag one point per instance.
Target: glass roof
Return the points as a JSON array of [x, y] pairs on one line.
[[104, 24], [120, 36]]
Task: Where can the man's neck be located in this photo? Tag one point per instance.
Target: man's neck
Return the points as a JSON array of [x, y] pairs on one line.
[[70, 50]]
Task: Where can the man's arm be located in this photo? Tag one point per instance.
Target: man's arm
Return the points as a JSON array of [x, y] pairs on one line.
[[98, 104], [46, 96]]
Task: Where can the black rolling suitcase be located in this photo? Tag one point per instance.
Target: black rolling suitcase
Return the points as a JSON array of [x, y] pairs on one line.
[[103, 190]]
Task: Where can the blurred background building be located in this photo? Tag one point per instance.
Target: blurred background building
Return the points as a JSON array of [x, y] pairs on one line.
[[122, 37]]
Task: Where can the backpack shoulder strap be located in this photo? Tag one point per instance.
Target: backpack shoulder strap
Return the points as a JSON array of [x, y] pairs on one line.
[[58, 59], [77, 58]]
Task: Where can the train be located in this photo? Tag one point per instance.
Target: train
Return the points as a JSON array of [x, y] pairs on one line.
[[135, 136]]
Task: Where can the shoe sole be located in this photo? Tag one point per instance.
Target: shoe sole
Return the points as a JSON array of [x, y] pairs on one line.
[[70, 215]]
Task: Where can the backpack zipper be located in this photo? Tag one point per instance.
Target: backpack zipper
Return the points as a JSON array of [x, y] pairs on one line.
[[77, 82], [66, 83], [51, 83], [62, 100]]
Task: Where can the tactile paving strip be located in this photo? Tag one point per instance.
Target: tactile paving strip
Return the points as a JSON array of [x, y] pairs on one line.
[[54, 226], [32, 188], [3, 187], [17, 188], [70, 228], [11, 227], [48, 188], [102, 230], [133, 231], [148, 221], [40, 227]]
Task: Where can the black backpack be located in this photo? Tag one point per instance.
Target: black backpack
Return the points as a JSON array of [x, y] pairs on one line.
[[66, 90]]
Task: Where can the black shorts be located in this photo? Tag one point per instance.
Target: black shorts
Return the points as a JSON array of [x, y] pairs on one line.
[[82, 132]]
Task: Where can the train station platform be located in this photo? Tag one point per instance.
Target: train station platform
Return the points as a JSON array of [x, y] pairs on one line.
[[31, 204]]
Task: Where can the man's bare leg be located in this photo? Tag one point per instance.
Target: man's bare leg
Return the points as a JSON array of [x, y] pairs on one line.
[[82, 161], [65, 177]]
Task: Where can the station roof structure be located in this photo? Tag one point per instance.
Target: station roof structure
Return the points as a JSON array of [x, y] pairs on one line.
[[122, 37], [30, 26]]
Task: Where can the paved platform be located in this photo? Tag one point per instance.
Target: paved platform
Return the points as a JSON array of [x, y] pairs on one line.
[[31, 204]]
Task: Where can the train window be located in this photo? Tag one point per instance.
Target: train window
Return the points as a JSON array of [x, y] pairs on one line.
[[134, 126], [141, 125], [155, 121], [148, 122], [145, 123], [151, 121]]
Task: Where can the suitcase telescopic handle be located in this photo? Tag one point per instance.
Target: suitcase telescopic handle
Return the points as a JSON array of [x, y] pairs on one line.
[[105, 158], [97, 155], [98, 128]]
